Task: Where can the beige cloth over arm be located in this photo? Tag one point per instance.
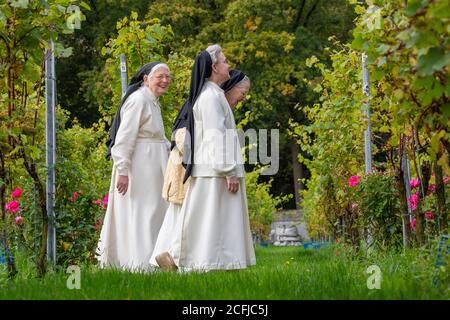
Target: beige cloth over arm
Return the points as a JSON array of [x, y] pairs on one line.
[[174, 190]]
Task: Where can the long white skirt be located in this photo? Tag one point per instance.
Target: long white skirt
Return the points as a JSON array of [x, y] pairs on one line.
[[167, 234], [132, 222], [214, 228]]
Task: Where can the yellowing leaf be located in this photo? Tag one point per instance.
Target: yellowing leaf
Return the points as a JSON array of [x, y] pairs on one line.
[[250, 24]]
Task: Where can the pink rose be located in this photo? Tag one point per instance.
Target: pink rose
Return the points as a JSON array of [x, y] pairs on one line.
[[413, 201], [16, 193], [19, 220], [13, 206], [353, 181], [446, 180], [98, 224], [74, 196], [105, 201], [413, 223], [98, 201], [429, 215], [354, 205], [431, 187], [414, 183]]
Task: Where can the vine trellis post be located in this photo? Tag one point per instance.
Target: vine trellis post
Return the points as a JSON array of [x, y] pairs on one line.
[[50, 140], [123, 73], [367, 132], [366, 109]]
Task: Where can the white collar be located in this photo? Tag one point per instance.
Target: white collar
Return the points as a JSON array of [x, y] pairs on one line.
[[215, 86], [150, 93]]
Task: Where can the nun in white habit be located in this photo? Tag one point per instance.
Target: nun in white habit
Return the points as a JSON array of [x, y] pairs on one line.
[[139, 149], [213, 229]]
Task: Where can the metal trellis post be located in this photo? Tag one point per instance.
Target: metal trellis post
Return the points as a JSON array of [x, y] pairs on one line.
[[50, 97], [366, 109], [406, 178], [123, 73]]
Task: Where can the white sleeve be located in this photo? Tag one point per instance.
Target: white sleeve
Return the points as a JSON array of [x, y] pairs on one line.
[[132, 114], [220, 152]]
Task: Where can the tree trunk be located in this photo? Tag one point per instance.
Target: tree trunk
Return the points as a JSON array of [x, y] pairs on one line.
[[12, 271], [32, 171], [441, 212], [298, 173], [399, 177], [420, 221]]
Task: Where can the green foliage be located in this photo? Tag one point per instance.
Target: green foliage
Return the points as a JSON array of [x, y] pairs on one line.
[[82, 177], [269, 41], [78, 227], [82, 168], [25, 30], [143, 42], [406, 48], [378, 207], [288, 273], [333, 139], [79, 76], [407, 45], [261, 204], [81, 165]]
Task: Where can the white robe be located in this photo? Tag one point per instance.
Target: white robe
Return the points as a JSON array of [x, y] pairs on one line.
[[132, 221], [167, 234], [213, 229]]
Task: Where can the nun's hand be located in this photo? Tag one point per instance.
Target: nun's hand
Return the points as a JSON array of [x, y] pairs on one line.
[[232, 184], [122, 184]]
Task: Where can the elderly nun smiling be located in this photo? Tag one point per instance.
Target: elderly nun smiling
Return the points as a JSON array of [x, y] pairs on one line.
[[139, 150]]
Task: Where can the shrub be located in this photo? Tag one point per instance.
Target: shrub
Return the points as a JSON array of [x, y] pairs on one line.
[[261, 204]]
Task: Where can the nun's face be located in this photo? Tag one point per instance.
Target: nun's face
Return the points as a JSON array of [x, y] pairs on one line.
[[159, 82], [237, 94], [222, 68]]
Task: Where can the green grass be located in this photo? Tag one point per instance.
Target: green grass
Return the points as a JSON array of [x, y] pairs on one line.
[[280, 273]]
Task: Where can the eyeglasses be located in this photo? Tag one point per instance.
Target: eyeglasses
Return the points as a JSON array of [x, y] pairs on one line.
[[161, 77]]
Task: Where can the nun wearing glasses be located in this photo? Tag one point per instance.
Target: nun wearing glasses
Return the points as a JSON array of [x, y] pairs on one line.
[[213, 231], [139, 149]]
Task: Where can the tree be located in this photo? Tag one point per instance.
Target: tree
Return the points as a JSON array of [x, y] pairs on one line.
[[269, 41], [408, 57], [25, 29], [79, 76]]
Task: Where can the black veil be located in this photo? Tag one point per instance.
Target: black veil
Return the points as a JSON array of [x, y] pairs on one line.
[[236, 76], [134, 85], [185, 119]]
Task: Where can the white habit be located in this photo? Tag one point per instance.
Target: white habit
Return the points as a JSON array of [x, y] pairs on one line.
[[132, 221], [213, 231]]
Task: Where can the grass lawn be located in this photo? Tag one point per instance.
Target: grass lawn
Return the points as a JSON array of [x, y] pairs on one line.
[[280, 273]]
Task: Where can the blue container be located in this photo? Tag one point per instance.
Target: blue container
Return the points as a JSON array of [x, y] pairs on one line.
[[3, 259], [442, 249], [315, 245]]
